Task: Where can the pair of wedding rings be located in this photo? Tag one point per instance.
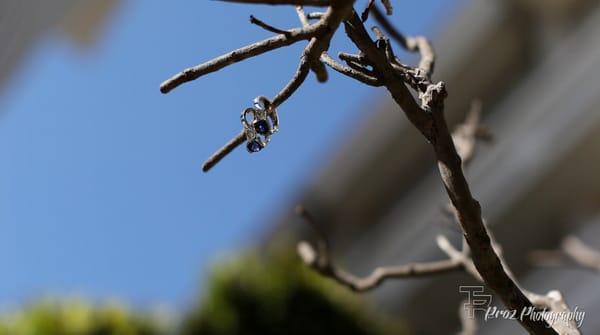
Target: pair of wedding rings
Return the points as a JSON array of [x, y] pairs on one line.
[[260, 122]]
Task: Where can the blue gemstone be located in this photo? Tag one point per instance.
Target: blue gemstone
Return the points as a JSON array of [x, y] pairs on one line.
[[262, 127], [254, 146]]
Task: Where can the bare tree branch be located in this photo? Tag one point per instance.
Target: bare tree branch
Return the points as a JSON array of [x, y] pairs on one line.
[[318, 3], [358, 34], [465, 136], [552, 301], [319, 43], [581, 253], [429, 119], [480, 255], [320, 260]]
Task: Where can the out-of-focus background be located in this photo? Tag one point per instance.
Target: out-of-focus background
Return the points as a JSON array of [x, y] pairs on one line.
[[103, 205]]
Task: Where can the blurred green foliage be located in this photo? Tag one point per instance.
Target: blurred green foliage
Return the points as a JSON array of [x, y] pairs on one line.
[[276, 294], [76, 318], [252, 294]]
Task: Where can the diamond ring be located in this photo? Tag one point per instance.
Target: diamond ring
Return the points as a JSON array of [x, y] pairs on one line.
[[259, 122]]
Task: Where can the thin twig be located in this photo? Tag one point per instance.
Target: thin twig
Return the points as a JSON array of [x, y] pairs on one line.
[[350, 72], [383, 42], [462, 257], [268, 27], [224, 151], [467, 318], [582, 254], [387, 4], [357, 62], [364, 16], [572, 249], [467, 134], [412, 44], [241, 54], [302, 16], [297, 79], [318, 3], [320, 260], [347, 57]]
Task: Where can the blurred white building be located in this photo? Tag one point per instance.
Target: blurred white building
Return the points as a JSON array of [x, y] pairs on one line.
[[25, 22]]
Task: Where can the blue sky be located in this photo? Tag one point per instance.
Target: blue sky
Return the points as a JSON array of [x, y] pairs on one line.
[[101, 193]]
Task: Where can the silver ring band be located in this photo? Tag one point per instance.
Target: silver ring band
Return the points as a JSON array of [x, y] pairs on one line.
[[260, 123]]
